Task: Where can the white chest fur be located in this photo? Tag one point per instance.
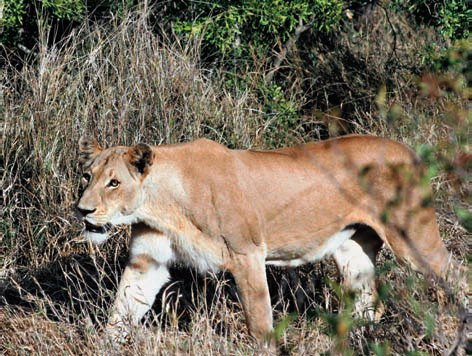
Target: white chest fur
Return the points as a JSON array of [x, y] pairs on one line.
[[180, 241]]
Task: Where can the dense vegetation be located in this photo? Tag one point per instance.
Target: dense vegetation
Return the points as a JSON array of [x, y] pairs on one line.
[[248, 74], [257, 24]]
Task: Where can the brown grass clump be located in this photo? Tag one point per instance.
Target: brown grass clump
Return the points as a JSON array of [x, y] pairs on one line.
[[124, 84]]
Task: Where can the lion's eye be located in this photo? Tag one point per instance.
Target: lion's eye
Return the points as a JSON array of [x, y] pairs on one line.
[[113, 183], [86, 177]]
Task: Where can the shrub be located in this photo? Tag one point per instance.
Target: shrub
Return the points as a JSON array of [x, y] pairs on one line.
[[249, 27], [452, 17]]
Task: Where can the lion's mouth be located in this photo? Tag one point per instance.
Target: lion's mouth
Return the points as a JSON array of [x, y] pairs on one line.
[[96, 228]]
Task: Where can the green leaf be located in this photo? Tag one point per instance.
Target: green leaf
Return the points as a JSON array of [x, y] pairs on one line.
[[465, 218], [283, 324]]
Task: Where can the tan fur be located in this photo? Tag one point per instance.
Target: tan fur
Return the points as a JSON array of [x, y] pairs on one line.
[[236, 210], [141, 263]]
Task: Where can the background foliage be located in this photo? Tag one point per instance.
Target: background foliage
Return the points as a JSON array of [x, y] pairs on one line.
[[230, 27]]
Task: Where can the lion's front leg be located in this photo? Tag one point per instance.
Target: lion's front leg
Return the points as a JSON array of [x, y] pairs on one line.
[[143, 277], [250, 276]]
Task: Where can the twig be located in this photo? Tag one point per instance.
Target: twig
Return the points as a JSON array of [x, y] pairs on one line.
[[287, 48], [394, 33]]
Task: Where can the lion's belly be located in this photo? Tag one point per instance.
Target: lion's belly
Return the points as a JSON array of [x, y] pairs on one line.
[[291, 256]]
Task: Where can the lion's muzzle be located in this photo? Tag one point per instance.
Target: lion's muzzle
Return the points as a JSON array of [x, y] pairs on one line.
[[96, 228]]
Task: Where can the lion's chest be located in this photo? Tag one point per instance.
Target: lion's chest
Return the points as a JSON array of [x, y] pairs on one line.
[[190, 245], [196, 252]]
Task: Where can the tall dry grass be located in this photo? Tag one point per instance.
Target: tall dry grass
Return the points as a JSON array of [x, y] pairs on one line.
[[124, 84]]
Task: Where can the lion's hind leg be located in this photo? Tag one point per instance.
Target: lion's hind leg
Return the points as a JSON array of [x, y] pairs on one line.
[[355, 260], [415, 239]]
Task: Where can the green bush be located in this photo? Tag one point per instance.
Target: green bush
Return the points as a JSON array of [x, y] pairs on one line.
[[20, 18], [16, 11], [19, 23], [247, 27], [13, 13], [281, 114], [452, 17]]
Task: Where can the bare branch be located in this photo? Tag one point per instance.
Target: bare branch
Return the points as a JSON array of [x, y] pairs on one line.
[[287, 47]]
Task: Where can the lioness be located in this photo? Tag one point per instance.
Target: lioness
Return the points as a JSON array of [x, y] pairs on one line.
[[237, 210]]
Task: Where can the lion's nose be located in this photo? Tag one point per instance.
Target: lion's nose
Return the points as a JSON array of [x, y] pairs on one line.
[[85, 211]]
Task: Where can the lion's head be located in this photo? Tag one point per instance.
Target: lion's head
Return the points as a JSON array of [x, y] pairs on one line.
[[111, 184]]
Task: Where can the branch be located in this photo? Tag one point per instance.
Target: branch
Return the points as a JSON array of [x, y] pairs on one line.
[[394, 45], [286, 49]]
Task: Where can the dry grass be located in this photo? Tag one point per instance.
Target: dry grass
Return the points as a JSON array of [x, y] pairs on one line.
[[126, 85]]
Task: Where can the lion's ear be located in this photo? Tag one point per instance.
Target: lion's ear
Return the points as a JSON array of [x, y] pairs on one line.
[[88, 147], [141, 157]]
